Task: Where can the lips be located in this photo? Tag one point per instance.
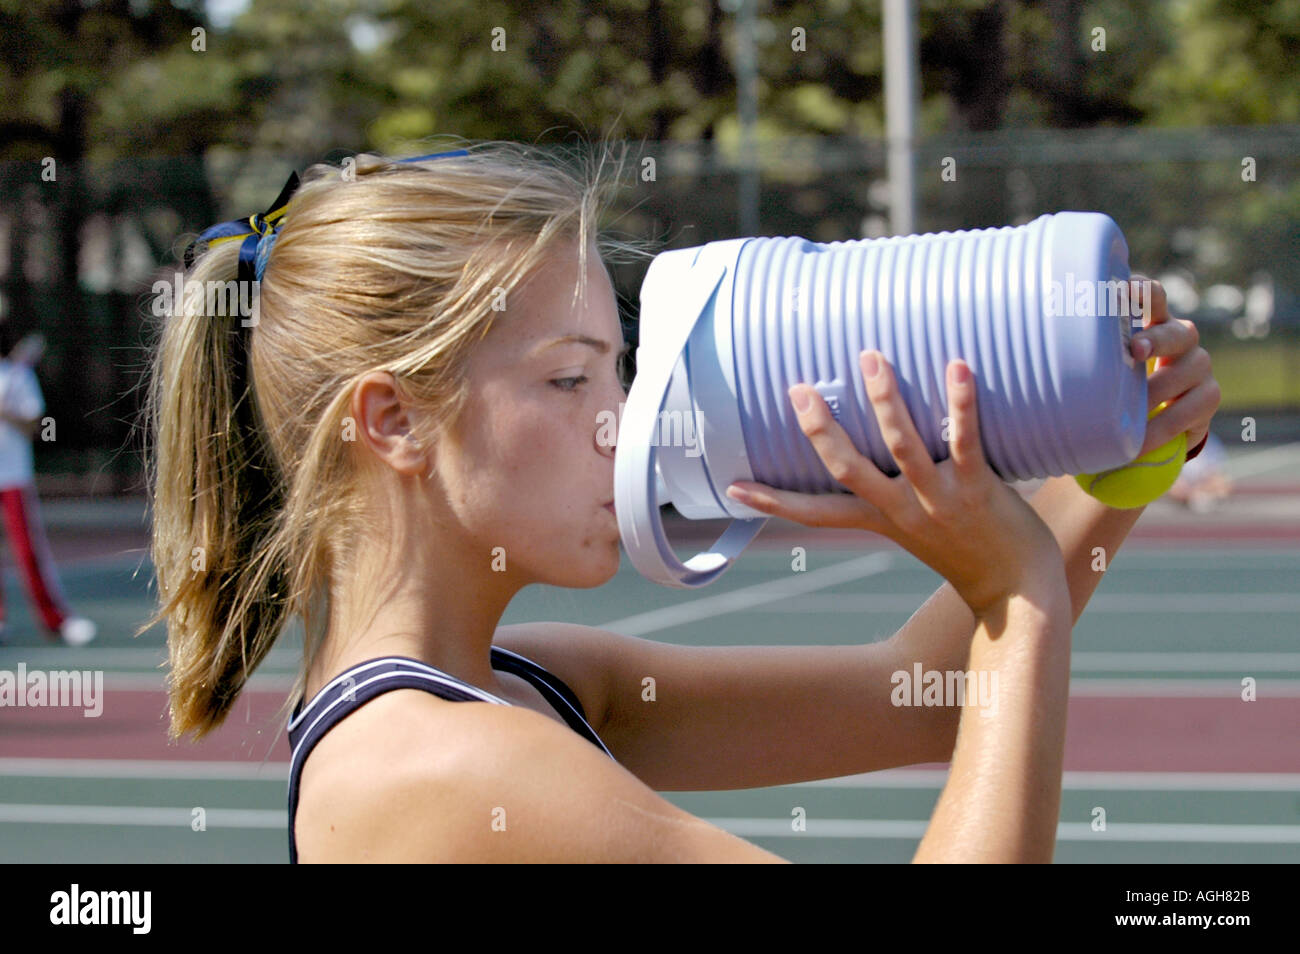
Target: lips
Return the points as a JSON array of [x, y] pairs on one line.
[[610, 507]]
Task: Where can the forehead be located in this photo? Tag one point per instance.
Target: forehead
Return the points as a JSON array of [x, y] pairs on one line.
[[559, 298]]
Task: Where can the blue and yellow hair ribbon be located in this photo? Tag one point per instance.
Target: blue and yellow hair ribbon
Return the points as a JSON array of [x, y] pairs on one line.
[[257, 232]]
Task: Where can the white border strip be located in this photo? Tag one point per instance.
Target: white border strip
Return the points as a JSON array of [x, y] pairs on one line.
[[1267, 688], [156, 682], [1253, 463], [744, 827], [144, 769], [123, 657], [1100, 604], [1085, 781], [145, 817], [888, 779], [1065, 831], [1246, 663]]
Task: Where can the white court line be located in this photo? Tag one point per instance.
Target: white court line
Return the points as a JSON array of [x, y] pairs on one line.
[[889, 778], [1248, 663], [1198, 603], [1201, 552], [1082, 686], [67, 657], [748, 597], [135, 557], [1065, 831], [145, 769], [151, 681], [744, 827], [1253, 463], [147, 817], [1085, 781], [1182, 688]]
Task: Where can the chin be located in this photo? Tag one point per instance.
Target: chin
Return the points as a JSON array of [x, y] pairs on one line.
[[593, 568]]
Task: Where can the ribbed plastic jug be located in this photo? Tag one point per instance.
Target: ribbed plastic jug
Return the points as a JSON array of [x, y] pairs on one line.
[[1040, 312]]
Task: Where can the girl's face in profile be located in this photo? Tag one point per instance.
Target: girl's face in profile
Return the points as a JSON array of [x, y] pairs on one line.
[[531, 466]]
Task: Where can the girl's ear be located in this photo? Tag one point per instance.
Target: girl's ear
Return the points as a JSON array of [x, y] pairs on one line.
[[382, 423]]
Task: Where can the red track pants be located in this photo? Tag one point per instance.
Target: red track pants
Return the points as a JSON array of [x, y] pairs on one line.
[[26, 534]]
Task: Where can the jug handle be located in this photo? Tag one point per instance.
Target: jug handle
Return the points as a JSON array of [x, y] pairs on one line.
[[635, 491]]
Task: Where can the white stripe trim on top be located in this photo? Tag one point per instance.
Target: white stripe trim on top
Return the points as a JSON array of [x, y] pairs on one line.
[[436, 675], [439, 679], [562, 698], [371, 664]]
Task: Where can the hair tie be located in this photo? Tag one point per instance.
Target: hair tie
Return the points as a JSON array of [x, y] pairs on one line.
[[257, 235], [258, 232], [263, 251]]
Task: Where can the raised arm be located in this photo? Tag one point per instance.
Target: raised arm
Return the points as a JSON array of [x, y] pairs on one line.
[[1003, 796], [1088, 532], [1005, 565]]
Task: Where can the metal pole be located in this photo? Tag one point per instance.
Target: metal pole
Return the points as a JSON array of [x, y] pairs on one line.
[[747, 104], [900, 112]]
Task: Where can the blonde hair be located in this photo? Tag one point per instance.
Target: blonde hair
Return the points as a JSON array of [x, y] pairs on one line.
[[380, 265]]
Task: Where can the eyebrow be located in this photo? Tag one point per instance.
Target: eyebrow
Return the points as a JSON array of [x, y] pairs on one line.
[[601, 346]]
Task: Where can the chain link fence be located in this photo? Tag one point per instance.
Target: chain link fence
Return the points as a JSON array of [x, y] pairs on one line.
[[1213, 213]]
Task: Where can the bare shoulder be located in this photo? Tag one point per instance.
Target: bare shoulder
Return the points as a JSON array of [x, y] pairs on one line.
[[583, 656], [409, 777]]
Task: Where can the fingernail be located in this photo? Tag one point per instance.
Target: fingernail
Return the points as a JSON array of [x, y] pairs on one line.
[[871, 363], [1141, 348], [738, 495], [961, 374], [802, 400]]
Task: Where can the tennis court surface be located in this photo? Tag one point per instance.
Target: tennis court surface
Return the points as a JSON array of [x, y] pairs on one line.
[[1159, 736]]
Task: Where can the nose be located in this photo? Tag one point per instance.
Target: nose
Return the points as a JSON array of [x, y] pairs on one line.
[[607, 422]]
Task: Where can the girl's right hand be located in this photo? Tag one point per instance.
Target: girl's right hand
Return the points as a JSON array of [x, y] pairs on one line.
[[956, 516]]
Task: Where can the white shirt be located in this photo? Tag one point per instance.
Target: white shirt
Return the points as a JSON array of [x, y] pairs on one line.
[[20, 396]]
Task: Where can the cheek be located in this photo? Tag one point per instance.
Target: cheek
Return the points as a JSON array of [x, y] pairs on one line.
[[522, 466], [528, 460], [526, 446]]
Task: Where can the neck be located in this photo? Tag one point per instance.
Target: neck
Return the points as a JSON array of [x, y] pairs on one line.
[[420, 595]]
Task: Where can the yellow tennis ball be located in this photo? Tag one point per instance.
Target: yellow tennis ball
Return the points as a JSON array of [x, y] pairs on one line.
[[1138, 483]]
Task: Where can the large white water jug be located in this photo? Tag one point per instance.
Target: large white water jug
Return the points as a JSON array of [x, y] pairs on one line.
[[1040, 312]]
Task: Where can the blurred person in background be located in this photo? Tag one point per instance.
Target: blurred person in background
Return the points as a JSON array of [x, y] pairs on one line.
[[21, 406], [1203, 483]]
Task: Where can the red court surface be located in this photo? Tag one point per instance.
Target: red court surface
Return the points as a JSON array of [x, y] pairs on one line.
[[1114, 734]]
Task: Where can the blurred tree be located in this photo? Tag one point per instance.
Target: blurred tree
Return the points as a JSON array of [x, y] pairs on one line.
[[1234, 62], [116, 82], [58, 57]]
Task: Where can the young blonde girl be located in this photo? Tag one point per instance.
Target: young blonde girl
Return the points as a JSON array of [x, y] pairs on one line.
[[419, 440]]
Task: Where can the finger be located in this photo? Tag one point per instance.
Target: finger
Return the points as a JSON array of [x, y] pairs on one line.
[[843, 461], [965, 447], [896, 426], [1152, 303], [847, 511], [1171, 381], [1168, 340], [1190, 414]]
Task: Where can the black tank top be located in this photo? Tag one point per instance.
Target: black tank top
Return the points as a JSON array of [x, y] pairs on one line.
[[358, 685]]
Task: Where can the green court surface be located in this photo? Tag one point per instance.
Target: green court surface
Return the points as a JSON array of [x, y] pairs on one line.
[[1167, 623]]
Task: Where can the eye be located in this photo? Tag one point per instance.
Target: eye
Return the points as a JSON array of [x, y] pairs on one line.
[[569, 384]]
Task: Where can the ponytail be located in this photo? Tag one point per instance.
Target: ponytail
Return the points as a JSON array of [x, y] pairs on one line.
[[216, 495]]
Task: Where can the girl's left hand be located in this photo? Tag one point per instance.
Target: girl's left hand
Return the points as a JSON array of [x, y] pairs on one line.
[[1182, 376]]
